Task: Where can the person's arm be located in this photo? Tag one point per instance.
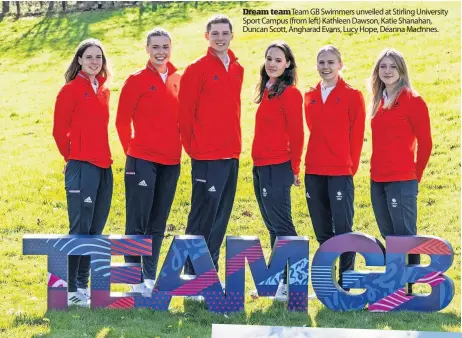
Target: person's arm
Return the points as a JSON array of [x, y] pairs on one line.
[[128, 100], [420, 121], [64, 106], [293, 110], [190, 89], [357, 115], [307, 116]]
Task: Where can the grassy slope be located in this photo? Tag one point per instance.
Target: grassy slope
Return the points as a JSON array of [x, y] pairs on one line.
[[33, 56]]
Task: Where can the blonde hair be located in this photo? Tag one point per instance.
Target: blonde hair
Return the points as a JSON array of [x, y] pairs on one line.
[[332, 49], [378, 86]]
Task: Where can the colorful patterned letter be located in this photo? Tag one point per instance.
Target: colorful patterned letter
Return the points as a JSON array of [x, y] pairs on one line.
[[291, 252], [101, 248], [393, 296], [323, 274]]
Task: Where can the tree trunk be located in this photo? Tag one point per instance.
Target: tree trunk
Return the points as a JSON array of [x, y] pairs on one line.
[[63, 4], [51, 6], [18, 8], [5, 7], [154, 6]]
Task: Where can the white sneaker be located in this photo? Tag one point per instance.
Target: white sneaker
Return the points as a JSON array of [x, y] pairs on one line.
[[281, 293], [148, 287], [84, 292], [312, 296], [141, 288], [254, 294], [198, 299], [149, 283], [75, 298]]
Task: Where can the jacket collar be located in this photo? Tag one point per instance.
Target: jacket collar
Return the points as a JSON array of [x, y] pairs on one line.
[[170, 67], [84, 77], [232, 57], [340, 83]]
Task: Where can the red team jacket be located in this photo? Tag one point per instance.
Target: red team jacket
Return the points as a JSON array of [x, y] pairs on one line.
[[81, 120], [336, 130], [152, 106], [210, 108], [279, 130], [395, 133]]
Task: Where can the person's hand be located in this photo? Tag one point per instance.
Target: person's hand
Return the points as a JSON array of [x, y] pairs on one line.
[[64, 169], [297, 181]]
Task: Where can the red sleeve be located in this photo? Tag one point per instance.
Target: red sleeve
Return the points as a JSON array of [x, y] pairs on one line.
[[190, 88], [420, 121], [242, 81], [65, 104], [127, 103], [357, 116], [293, 109], [307, 116]]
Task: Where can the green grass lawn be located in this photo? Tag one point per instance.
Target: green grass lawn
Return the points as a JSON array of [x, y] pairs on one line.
[[34, 53]]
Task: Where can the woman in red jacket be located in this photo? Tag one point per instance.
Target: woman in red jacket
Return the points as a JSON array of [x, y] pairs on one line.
[[149, 103], [80, 130], [401, 146], [335, 115], [278, 143]]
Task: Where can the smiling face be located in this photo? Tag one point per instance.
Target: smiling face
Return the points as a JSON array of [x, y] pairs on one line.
[[91, 61], [388, 72], [219, 37], [328, 66], [159, 50], [275, 63]]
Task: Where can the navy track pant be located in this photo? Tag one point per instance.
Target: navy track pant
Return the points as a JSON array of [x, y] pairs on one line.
[[89, 195], [214, 185], [330, 203], [272, 184], [149, 192], [395, 209]]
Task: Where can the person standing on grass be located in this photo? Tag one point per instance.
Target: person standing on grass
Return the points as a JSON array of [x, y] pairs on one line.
[[149, 102], [277, 144], [80, 129], [210, 113], [401, 147], [335, 115]]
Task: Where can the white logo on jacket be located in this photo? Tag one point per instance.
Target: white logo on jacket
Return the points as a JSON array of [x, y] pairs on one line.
[[394, 204], [264, 192], [339, 196], [88, 200], [143, 183], [212, 189]]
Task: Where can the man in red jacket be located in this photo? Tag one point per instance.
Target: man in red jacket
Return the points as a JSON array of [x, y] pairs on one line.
[[210, 112]]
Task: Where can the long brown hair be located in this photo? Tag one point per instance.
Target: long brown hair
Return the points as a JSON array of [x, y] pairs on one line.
[[75, 67], [288, 78], [377, 86]]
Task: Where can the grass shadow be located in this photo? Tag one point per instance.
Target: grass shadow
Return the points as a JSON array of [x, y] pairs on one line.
[[64, 31], [194, 321], [277, 315], [59, 32]]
